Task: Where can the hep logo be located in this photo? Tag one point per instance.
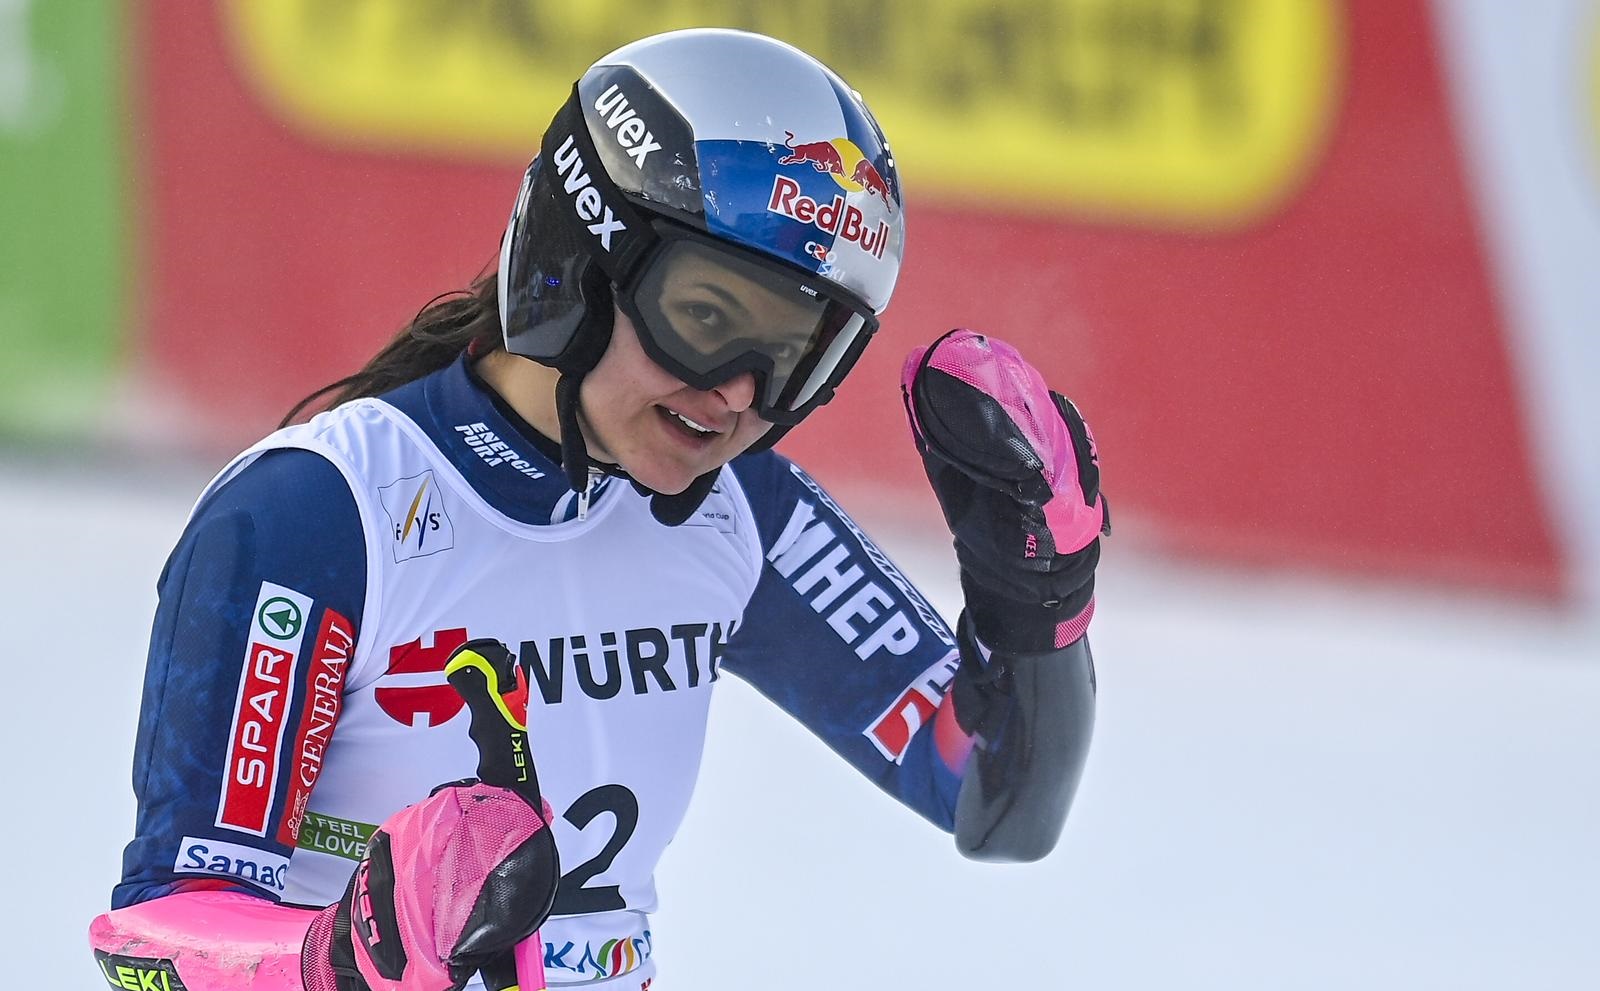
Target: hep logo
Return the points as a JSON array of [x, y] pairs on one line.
[[422, 697], [842, 159]]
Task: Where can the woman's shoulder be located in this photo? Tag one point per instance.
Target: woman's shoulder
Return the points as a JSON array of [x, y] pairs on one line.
[[364, 439], [289, 482]]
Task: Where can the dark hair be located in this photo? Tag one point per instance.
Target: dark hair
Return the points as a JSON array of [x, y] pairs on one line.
[[462, 320]]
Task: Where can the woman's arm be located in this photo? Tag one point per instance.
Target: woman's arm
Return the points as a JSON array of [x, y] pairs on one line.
[[986, 733], [1017, 475], [255, 624]]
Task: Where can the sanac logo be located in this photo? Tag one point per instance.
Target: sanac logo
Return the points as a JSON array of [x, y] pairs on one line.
[[417, 516], [259, 867]]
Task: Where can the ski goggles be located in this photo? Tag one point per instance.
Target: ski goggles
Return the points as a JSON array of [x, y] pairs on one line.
[[707, 313]]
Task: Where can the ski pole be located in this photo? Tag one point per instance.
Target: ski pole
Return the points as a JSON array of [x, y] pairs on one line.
[[484, 672]]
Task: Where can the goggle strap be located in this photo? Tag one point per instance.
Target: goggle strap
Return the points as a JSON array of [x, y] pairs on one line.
[[616, 235]]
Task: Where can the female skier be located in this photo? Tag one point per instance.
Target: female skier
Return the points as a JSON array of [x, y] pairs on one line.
[[573, 459]]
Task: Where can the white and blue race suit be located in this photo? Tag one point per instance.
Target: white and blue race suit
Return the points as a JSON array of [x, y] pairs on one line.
[[294, 695]]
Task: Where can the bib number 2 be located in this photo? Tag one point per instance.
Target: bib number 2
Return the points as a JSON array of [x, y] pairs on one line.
[[573, 896]]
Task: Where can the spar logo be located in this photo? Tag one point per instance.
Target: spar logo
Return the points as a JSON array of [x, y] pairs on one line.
[[417, 517], [260, 712], [280, 618]]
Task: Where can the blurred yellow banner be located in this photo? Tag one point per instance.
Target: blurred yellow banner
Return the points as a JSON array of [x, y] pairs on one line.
[[1187, 113]]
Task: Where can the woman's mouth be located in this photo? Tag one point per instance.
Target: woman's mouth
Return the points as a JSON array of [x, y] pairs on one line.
[[688, 428]]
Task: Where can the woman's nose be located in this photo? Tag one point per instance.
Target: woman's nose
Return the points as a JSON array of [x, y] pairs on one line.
[[738, 392]]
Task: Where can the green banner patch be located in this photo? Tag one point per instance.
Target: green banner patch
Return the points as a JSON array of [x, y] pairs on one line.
[[340, 837]]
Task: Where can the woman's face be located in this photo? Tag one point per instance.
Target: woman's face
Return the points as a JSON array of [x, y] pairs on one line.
[[633, 413]]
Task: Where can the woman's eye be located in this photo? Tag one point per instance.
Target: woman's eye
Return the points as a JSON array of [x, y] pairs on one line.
[[786, 352], [707, 316]]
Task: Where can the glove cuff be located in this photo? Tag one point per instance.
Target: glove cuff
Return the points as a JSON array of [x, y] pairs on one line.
[[1027, 627], [327, 942]]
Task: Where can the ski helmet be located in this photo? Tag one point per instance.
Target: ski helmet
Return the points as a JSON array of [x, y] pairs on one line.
[[694, 151]]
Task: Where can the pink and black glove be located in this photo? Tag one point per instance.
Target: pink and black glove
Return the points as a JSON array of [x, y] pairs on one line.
[[456, 883], [449, 885], [1016, 473]]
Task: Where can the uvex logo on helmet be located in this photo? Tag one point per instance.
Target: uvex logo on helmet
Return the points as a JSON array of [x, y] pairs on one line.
[[586, 199], [631, 132]]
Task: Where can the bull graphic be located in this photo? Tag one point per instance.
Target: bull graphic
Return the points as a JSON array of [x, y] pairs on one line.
[[822, 155]]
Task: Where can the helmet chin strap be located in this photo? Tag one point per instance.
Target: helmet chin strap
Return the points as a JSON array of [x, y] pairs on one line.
[[673, 510], [576, 462], [669, 510]]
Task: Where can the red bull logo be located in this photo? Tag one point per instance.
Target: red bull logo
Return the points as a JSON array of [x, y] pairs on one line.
[[844, 221], [843, 160]]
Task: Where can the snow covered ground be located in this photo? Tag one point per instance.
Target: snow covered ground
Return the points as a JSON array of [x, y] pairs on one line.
[[1293, 785]]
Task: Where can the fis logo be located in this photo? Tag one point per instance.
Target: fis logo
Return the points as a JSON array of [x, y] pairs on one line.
[[417, 517]]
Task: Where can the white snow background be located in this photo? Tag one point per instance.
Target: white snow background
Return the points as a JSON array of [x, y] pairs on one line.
[[1293, 784]]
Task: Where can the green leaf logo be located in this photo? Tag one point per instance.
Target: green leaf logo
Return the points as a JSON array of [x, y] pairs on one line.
[[280, 618]]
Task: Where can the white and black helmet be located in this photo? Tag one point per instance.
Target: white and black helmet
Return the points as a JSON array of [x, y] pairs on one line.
[[696, 147]]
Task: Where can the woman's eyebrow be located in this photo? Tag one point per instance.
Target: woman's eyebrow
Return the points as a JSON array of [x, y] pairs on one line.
[[727, 297]]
